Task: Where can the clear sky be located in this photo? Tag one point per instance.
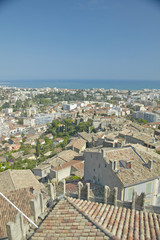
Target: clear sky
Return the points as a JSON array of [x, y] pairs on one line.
[[80, 39]]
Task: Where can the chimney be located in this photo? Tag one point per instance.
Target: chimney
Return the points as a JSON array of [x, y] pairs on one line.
[[103, 153], [128, 165], [114, 165], [150, 164]]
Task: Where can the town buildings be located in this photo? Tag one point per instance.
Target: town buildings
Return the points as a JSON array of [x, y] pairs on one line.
[[148, 116], [127, 168], [93, 138]]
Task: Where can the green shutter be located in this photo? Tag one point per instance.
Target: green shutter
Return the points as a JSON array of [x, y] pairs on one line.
[[148, 202], [130, 192], [148, 187]]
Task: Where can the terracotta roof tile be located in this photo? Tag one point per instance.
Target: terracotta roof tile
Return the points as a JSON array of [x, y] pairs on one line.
[[16, 179], [78, 143], [139, 170], [21, 198], [67, 155], [121, 222], [74, 163], [66, 222]]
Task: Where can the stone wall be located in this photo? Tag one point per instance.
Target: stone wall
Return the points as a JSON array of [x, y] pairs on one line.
[[108, 196]]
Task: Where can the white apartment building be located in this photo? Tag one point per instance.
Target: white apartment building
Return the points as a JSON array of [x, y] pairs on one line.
[[148, 116], [43, 118], [4, 128], [31, 122], [69, 107]]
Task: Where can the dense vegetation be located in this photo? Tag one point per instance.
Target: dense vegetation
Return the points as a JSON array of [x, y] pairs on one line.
[[68, 128], [59, 129], [140, 120]]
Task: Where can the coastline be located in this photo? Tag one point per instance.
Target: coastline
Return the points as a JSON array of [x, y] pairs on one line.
[[84, 84]]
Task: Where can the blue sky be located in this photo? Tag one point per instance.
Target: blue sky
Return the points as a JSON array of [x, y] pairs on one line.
[[80, 39]]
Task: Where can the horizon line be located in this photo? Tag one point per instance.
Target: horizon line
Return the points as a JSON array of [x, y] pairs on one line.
[[76, 79]]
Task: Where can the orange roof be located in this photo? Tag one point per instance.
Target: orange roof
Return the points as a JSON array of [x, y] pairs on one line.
[[68, 164], [21, 198]]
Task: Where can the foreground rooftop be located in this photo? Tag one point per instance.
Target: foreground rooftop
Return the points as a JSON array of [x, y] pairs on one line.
[[79, 219]]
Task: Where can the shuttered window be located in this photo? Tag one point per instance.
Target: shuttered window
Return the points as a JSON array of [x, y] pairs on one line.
[[148, 202], [130, 193], [148, 188]]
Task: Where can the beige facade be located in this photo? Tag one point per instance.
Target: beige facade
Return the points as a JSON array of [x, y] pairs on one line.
[[124, 168]]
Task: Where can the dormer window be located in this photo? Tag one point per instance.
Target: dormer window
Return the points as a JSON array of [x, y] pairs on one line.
[[115, 165], [150, 164], [125, 164], [128, 165]]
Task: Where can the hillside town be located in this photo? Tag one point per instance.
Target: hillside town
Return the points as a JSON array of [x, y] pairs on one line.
[[80, 163]]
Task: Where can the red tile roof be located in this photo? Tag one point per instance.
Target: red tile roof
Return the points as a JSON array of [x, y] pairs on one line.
[[74, 163], [78, 143], [11, 180], [21, 198], [72, 187], [121, 222], [66, 222], [80, 219]]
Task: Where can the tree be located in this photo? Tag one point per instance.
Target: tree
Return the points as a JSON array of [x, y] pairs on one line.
[[84, 126], [63, 144], [24, 164], [38, 148], [67, 122], [159, 127], [20, 121], [5, 105], [142, 121], [23, 138], [27, 151]]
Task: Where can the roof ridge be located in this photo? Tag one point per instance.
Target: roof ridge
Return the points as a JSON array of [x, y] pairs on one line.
[[18, 190], [9, 171], [135, 150], [109, 234]]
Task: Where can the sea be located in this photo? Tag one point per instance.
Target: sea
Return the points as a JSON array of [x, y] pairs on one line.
[[84, 84]]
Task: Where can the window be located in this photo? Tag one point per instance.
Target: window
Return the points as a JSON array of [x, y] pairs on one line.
[[158, 186], [149, 188], [129, 194], [158, 200], [115, 165], [148, 202]]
